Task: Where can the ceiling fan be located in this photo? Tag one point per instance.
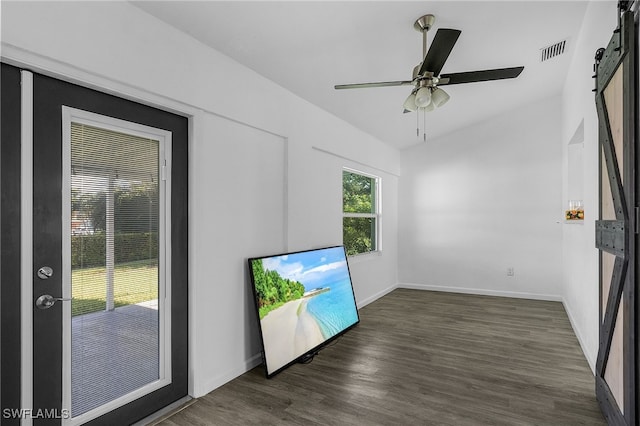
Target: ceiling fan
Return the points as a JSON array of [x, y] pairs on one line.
[[426, 95]]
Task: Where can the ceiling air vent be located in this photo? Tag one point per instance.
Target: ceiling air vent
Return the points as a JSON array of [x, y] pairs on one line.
[[552, 51]]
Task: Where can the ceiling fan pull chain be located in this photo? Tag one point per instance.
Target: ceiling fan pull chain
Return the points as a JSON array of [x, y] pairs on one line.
[[424, 124], [417, 124]]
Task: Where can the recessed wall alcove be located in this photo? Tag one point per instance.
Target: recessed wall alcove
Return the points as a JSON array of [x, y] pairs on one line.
[[575, 176]]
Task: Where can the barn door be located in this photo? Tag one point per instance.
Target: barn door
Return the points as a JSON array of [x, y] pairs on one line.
[[616, 231]]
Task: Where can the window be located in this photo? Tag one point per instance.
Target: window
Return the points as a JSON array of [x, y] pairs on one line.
[[361, 212]]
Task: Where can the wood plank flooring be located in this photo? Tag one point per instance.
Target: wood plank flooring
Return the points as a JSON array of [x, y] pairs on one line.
[[424, 358]]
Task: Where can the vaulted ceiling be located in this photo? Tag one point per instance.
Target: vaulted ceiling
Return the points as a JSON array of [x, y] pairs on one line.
[[308, 47]]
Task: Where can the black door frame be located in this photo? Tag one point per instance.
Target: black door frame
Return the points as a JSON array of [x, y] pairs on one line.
[[48, 108], [10, 277]]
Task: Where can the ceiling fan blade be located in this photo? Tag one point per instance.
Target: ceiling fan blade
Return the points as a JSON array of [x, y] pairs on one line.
[[439, 51], [475, 76], [378, 84]]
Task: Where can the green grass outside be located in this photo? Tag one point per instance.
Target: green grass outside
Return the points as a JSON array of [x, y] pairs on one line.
[[134, 282]]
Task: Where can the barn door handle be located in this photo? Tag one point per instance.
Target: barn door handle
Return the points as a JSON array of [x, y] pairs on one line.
[[46, 301]]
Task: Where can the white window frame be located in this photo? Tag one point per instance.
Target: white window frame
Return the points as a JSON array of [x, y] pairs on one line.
[[377, 205], [163, 137]]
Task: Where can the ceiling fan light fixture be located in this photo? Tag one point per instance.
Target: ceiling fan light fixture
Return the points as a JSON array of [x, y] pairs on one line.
[[423, 97], [410, 102], [439, 97], [430, 107]]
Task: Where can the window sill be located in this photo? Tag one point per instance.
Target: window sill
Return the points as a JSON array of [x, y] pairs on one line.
[[363, 257]]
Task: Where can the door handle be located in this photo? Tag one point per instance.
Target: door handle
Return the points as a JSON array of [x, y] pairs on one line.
[[46, 301]]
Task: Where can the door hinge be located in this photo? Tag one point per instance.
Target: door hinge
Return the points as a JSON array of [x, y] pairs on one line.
[[636, 220], [163, 170]]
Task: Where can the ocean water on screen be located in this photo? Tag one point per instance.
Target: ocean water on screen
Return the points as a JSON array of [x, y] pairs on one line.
[[334, 310]]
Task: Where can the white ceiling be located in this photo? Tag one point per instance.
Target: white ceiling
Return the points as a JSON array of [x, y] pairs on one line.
[[308, 47]]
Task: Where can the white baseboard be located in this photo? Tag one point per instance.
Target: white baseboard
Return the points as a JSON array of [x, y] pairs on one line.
[[218, 381], [577, 332], [483, 292], [378, 295]]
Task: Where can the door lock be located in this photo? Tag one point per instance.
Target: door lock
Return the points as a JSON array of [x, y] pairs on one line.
[[46, 301], [45, 272]]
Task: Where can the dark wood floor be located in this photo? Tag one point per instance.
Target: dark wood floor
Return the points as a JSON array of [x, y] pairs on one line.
[[424, 358]]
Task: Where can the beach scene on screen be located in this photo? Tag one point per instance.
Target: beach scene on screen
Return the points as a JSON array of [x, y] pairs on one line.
[[303, 300]]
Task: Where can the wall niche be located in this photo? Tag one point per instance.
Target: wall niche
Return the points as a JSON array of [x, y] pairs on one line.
[[574, 212]]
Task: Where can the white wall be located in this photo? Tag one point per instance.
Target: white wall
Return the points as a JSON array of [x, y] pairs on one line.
[[580, 258], [482, 199], [239, 121], [238, 209]]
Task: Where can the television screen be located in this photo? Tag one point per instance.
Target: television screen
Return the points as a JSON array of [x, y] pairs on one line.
[[304, 300]]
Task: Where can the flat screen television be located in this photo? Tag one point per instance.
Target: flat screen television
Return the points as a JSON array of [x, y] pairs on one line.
[[304, 300]]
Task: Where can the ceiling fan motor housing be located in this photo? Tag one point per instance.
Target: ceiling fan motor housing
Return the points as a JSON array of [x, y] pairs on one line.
[[424, 23]]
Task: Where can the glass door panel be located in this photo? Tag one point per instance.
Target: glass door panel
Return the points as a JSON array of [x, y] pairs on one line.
[[115, 219]]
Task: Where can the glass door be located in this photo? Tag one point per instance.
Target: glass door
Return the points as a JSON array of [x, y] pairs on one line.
[[110, 282]]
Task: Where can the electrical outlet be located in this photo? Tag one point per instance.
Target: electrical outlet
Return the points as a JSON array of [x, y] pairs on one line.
[[510, 272]]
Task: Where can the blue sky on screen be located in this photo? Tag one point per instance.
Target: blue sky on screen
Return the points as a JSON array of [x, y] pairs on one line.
[[312, 268]]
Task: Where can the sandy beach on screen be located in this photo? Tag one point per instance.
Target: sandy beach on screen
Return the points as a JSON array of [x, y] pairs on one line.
[[288, 334]]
